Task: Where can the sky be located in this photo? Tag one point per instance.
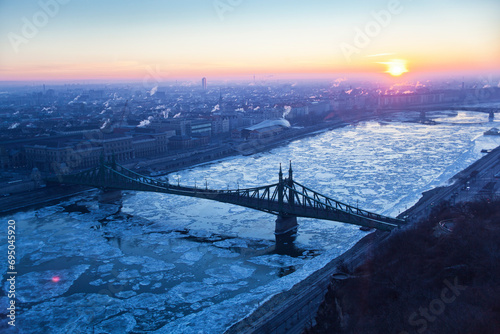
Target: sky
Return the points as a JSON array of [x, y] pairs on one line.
[[162, 40]]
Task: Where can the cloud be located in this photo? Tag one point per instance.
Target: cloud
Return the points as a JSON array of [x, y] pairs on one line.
[[380, 55]]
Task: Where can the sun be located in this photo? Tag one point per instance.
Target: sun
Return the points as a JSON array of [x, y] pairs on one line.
[[396, 67]]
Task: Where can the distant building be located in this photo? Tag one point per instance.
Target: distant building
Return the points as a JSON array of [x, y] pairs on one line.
[[220, 124], [222, 107], [204, 83], [160, 95], [201, 128], [12, 158], [236, 134], [93, 94], [319, 108], [181, 126], [266, 129], [82, 153], [298, 110], [115, 144], [52, 156], [144, 146], [186, 142]]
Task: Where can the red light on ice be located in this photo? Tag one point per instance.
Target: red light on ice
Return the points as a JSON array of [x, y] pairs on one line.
[[55, 279]]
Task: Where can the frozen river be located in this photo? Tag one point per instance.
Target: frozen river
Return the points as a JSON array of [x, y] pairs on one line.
[[167, 264]]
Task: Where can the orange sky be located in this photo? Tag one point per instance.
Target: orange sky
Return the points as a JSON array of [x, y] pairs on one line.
[[131, 40]]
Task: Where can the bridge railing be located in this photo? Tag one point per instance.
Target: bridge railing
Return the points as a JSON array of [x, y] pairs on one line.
[[141, 178], [268, 192], [304, 196], [255, 192], [286, 197]]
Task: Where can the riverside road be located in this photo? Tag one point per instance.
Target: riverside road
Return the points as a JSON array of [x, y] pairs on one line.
[[294, 310]]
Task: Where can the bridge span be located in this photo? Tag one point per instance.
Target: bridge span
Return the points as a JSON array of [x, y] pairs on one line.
[[487, 110], [286, 199]]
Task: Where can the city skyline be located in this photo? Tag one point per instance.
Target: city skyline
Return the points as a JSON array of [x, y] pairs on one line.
[[125, 40]]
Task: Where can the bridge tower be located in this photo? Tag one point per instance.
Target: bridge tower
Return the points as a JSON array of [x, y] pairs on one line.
[[285, 224], [492, 115]]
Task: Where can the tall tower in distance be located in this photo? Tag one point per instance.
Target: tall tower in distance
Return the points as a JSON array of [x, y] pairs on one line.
[[204, 83], [221, 104]]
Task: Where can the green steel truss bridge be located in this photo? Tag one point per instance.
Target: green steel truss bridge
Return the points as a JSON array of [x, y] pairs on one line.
[[286, 199]]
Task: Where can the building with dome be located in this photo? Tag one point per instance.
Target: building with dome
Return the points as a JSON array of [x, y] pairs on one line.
[[265, 129]]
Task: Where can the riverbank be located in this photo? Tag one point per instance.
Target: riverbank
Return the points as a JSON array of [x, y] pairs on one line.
[[295, 310], [449, 286], [161, 166]]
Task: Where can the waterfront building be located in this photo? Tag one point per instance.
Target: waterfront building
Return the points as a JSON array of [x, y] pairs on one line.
[[265, 129]]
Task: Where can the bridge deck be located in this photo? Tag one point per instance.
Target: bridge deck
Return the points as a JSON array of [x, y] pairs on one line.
[[285, 198]]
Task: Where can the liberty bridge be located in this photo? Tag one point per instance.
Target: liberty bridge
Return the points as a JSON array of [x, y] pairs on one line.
[[286, 199]]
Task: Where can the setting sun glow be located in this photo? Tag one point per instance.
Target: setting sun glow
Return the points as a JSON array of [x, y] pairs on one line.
[[130, 41], [396, 67]]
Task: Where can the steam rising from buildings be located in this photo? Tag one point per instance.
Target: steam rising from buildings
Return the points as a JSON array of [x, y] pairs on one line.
[[287, 111], [145, 122], [165, 113], [153, 90], [106, 123], [338, 81]]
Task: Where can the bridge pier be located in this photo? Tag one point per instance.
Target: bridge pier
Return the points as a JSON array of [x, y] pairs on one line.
[[110, 196], [285, 244], [285, 234], [285, 224]]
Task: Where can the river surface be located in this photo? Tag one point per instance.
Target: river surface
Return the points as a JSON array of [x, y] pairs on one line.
[[167, 264]]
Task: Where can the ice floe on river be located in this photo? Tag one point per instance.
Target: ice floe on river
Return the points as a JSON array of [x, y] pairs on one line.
[[168, 264]]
